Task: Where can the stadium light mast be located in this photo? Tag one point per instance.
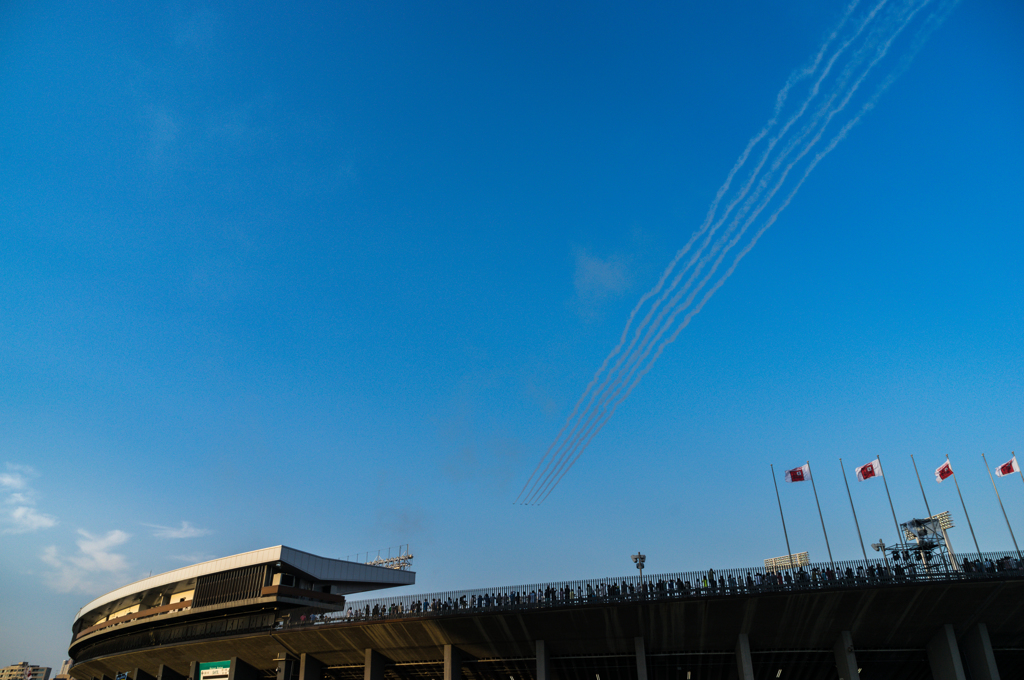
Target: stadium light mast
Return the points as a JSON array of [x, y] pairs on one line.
[[639, 560]]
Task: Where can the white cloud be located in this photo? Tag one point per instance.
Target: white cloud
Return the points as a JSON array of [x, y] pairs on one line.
[[185, 531], [596, 279], [95, 551], [91, 566], [18, 495], [12, 481], [24, 519]]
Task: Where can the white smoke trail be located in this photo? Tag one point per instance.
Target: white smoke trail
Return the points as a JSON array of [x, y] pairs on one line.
[[930, 24], [779, 103], [580, 432]]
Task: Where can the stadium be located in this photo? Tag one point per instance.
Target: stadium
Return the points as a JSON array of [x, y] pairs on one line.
[[283, 613]]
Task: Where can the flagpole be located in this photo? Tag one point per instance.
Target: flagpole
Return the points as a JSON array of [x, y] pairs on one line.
[[921, 485], [945, 538], [993, 480], [855, 522], [827, 547], [962, 504], [789, 551], [899, 536]]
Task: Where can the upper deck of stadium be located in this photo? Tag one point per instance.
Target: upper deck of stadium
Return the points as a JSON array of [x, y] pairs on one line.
[[889, 619]]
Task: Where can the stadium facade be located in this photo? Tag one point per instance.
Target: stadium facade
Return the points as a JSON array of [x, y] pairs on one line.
[[283, 613]]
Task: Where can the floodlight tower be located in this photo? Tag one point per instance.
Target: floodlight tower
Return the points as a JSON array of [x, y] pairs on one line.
[[638, 560]]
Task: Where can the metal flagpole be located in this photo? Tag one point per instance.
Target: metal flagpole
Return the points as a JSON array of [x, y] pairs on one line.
[[899, 536], [784, 532], [921, 485], [952, 557], [993, 479], [964, 506], [855, 522], [827, 547]]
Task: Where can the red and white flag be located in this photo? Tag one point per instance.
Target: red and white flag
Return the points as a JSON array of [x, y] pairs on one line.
[[800, 474], [872, 469], [943, 471], [1008, 468]]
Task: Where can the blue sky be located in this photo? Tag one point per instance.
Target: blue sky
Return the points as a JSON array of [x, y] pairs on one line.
[[334, 275]]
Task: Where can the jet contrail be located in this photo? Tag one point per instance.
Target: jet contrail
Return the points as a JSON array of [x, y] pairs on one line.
[[636, 361], [780, 101]]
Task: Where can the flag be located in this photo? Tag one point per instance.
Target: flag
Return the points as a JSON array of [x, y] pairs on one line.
[[800, 474], [943, 471], [1008, 468], [872, 469]]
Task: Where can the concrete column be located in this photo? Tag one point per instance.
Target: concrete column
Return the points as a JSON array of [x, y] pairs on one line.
[[846, 659], [981, 662], [944, 655], [167, 673], [744, 664], [139, 674], [286, 666], [310, 667], [240, 670], [193, 671], [373, 668], [543, 661], [641, 658], [453, 660]]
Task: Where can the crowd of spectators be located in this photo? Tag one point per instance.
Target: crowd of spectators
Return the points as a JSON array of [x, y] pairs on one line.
[[704, 584]]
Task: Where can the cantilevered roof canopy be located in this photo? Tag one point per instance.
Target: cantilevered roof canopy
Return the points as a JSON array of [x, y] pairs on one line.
[[348, 577]]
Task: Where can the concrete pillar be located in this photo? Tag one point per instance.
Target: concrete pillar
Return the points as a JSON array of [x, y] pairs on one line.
[[744, 664], [240, 670], [310, 667], [286, 666], [944, 655], [193, 671], [139, 674], [543, 661], [166, 673], [453, 660], [846, 659], [373, 668], [641, 658], [981, 662]]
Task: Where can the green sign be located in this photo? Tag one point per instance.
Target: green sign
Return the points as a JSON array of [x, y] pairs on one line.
[[214, 669]]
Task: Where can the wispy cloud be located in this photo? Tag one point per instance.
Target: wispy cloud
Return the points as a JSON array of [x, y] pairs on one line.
[[26, 519], [186, 530], [19, 516], [9, 480], [596, 279], [93, 564]]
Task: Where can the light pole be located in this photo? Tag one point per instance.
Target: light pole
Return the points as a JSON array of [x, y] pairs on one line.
[[639, 559]]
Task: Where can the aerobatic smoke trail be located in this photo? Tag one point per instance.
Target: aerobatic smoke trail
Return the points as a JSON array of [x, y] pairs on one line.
[[780, 101], [856, 55]]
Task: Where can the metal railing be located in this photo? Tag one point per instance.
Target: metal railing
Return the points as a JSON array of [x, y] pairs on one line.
[[662, 587]]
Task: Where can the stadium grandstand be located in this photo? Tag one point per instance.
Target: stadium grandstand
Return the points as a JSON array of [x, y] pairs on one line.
[[282, 613]]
